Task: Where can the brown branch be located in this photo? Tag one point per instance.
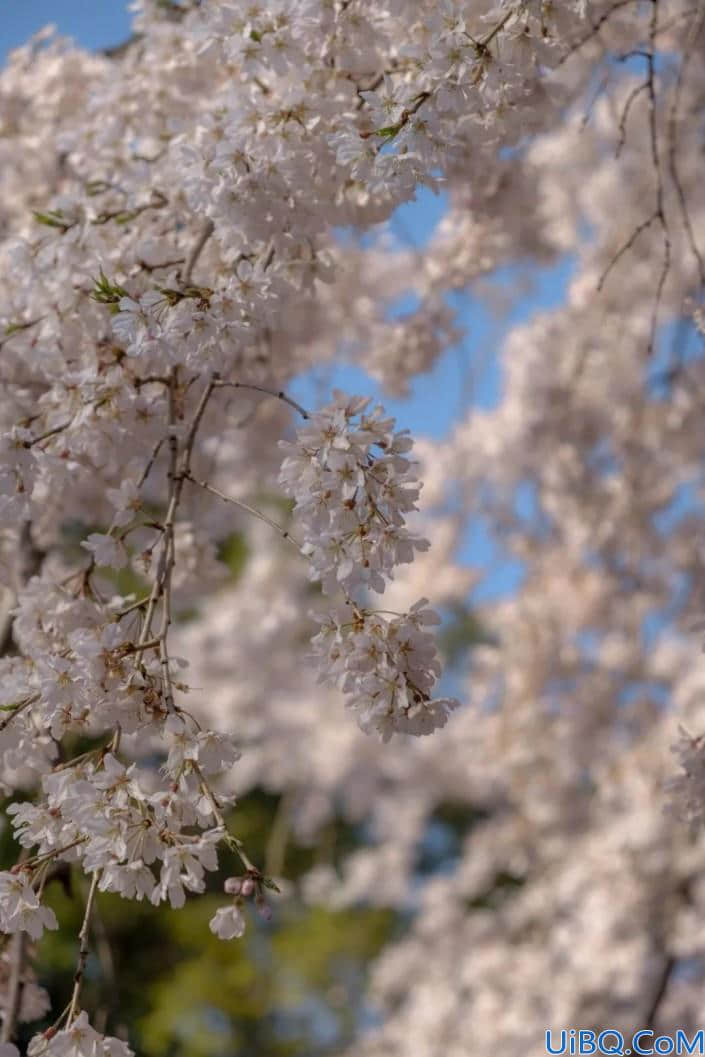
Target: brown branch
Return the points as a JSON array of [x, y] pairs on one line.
[[655, 157], [673, 141], [18, 711], [279, 394], [118, 50], [169, 557], [207, 229], [82, 949], [659, 992], [658, 216], [625, 247], [164, 264], [594, 30], [633, 96], [18, 328], [284, 533], [124, 216], [179, 470]]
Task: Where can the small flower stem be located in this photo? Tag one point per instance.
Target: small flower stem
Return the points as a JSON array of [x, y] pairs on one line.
[[19, 709], [215, 807], [279, 394], [207, 229], [284, 533], [83, 949]]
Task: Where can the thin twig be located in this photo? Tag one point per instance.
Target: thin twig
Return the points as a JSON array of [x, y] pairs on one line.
[[220, 819], [49, 433], [169, 558], [673, 142], [659, 992], [150, 462], [178, 472], [495, 30], [594, 30], [17, 328], [625, 247], [279, 394], [139, 604], [82, 949], [16, 711], [655, 157], [632, 97], [207, 229], [284, 533]]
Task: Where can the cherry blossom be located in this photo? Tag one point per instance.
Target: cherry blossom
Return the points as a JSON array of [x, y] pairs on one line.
[[353, 487]]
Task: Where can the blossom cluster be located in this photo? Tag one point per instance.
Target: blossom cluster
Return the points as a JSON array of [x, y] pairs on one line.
[[687, 788], [139, 290], [100, 814], [352, 486], [388, 667], [80, 1039]]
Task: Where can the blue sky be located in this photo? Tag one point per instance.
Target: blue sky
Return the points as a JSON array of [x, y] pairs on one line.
[[93, 23]]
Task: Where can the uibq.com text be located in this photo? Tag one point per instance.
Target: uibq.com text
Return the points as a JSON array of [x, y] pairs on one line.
[[579, 1041]]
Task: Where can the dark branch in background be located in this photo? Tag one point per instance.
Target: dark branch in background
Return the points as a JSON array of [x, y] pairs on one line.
[[653, 135], [658, 216], [625, 247], [118, 50], [595, 29], [632, 98], [661, 982], [207, 229], [696, 32], [664, 911]]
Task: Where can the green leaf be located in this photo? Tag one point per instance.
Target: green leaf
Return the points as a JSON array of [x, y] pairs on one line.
[[106, 292], [388, 132], [54, 218]]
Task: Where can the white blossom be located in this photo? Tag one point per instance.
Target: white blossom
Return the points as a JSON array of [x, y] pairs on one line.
[[227, 923], [78, 1040], [20, 908], [107, 550], [388, 667], [353, 487]]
